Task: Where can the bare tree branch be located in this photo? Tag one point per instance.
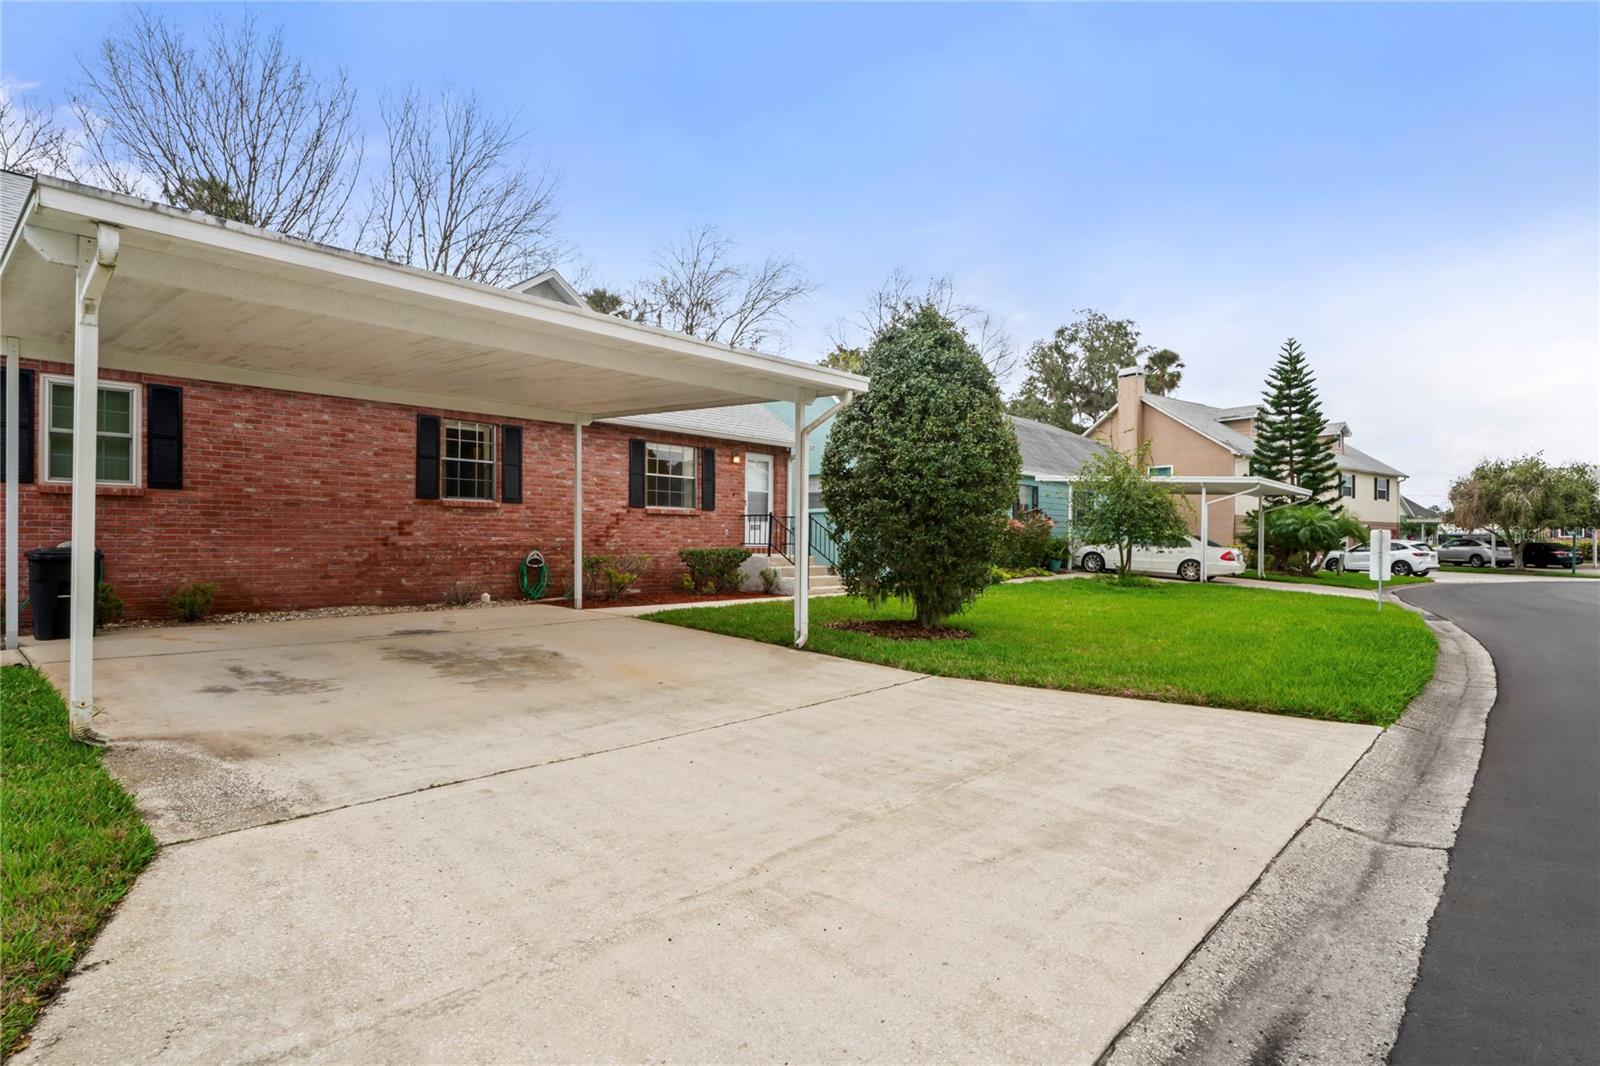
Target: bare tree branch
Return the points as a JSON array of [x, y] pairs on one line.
[[32, 141], [235, 117], [701, 290], [900, 296], [454, 198]]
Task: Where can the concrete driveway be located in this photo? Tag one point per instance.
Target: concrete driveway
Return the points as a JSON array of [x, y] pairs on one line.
[[527, 834]]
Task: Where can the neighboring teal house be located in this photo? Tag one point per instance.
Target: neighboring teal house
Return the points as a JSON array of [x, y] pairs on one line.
[[1051, 457]]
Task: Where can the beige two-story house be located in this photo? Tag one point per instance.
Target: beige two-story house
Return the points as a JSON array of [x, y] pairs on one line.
[[1194, 438]]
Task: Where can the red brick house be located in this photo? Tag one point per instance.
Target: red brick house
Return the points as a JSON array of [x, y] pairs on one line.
[[307, 427]]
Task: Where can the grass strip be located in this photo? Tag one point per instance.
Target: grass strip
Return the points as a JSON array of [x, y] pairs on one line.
[[70, 848], [1326, 657]]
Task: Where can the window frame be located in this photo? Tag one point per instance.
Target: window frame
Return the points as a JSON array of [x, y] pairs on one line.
[[1343, 495], [489, 431], [135, 433], [1376, 481], [689, 482], [1163, 470]]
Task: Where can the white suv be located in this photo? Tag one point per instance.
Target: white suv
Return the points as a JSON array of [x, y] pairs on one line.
[[1406, 557]]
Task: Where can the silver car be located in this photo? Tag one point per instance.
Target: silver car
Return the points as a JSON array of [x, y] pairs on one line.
[[1474, 550]]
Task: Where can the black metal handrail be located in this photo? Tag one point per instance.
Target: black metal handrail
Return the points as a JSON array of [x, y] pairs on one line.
[[776, 535]]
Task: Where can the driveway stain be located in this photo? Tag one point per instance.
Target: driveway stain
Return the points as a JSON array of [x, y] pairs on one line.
[[274, 682], [503, 668]]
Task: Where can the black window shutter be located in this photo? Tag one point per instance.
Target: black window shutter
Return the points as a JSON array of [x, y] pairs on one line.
[[164, 454], [427, 457], [25, 428], [708, 479], [511, 464], [636, 473]]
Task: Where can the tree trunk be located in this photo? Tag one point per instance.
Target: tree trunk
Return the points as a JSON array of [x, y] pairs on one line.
[[928, 617]]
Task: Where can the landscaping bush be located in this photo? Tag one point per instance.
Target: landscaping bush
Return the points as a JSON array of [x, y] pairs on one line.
[[193, 601], [918, 470], [458, 595], [1026, 542], [1299, 537], [713, 569], [108, 606], [769, 580], [607, 577], [997, 574]]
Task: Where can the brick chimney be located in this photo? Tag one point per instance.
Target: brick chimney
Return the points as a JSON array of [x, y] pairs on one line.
[[1128, 428]]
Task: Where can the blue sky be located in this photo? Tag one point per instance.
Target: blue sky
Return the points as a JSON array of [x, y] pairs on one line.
[[1410, 190]]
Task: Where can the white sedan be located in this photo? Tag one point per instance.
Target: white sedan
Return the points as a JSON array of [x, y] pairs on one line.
[[1406, 557], [1181, 562]]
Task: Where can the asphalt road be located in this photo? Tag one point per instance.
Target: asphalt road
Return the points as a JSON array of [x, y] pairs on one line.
[[1511, 970]]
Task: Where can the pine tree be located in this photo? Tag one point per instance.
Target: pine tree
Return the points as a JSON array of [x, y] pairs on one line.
[[1288, 433]]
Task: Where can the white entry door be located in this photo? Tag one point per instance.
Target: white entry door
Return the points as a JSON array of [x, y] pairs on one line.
[[757, 498]]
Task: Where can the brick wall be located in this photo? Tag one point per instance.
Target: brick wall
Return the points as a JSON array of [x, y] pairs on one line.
[[292, 500]]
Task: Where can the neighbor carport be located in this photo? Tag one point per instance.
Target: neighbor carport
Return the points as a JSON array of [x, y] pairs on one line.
[[93, 278], [1230, 487]]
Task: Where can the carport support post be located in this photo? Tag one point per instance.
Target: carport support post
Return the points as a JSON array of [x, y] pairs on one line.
[[1070, 546], [802, 522], [97, 256], [1205, 534], [13, 476], [577, 516], [1261, 538]]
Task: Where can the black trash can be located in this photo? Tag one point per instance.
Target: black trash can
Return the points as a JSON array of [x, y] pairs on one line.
[[50, 590]]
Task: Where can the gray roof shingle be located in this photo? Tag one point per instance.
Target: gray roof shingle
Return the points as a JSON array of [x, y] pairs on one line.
[[1050, 450]]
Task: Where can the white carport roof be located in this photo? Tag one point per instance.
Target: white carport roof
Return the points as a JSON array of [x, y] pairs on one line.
[[94, 278], [1227, 484], [195, 296]]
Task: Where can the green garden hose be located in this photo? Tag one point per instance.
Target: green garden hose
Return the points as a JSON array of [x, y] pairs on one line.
[[533, 567]]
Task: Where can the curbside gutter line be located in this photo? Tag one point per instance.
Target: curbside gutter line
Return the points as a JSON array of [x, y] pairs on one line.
[[1315, 961]]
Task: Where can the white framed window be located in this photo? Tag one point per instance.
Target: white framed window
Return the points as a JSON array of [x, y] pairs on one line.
[[1380, 488], [116, 443], [1347, 485], [468, 460], [668, 475], [814, 492], [1160, 471]]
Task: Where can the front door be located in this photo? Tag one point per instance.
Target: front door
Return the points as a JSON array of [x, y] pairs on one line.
[[757, 499]]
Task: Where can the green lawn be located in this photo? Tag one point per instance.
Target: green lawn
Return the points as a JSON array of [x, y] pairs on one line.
[[1508, 572], [71, 847], [1340, 580], [1283, 652]]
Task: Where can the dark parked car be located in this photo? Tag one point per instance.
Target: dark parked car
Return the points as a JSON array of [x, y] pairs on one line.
[[1544, 553]]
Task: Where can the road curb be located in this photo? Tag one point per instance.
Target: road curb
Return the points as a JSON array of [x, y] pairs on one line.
[[1315, 961]]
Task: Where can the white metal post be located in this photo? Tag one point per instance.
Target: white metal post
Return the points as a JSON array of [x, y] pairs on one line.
[[1070, 546], [1261, 538], [802, 523], [85, 425], [577, 516], [1205, 534], [13, 478]]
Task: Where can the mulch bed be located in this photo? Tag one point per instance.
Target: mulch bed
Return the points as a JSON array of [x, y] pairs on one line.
[[654, 599], [903, 629]]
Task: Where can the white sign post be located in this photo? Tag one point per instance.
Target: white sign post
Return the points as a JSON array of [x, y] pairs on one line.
[[1378, 560]]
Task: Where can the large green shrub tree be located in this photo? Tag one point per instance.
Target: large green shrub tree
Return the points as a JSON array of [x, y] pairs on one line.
[[919, 471], [1118, 505], [1518, 498], [1288, 430]]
